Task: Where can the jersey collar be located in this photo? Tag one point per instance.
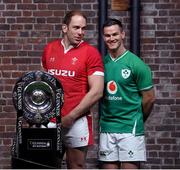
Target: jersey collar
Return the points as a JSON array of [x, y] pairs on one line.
[[118, 58], [70, 47]]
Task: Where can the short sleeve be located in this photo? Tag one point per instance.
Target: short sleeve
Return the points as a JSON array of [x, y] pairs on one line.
[[94, 62], [143, 76]]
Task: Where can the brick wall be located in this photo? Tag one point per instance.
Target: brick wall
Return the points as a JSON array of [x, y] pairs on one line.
[[27, 25], [160, 48]]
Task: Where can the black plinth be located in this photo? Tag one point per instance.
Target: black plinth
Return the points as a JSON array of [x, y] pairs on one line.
[[38, 149]]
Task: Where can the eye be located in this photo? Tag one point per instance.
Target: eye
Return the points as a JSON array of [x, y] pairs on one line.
[[76, 27], [114, 34], [107, 35], [83, 28]]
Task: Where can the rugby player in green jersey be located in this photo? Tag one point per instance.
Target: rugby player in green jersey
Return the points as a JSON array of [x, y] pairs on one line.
[[127, 102]]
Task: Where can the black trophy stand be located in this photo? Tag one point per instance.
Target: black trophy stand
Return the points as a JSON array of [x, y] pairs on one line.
[[37, 97]]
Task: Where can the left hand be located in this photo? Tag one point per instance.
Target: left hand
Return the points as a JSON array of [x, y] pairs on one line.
[[67, 121]]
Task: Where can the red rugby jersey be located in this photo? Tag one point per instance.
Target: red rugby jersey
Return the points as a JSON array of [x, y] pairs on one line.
[[72, 68]]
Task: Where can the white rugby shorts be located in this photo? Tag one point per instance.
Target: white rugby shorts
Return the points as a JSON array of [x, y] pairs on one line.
[[77, 135], [121, 147]]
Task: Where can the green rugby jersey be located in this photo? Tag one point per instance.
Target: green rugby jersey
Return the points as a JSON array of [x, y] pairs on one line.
[[121, 105]]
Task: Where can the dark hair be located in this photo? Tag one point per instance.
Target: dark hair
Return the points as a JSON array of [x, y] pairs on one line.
[[113, 21], [69, 15]]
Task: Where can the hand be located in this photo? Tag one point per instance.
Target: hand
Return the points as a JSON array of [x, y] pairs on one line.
[[67, 121]]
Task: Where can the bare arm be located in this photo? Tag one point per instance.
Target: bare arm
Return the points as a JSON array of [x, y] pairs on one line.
[[96, 86], [147, 102]]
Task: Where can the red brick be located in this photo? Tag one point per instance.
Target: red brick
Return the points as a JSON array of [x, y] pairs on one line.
[[26, 26]]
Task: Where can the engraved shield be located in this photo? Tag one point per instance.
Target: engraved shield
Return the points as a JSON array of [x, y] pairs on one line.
[[38, 97]]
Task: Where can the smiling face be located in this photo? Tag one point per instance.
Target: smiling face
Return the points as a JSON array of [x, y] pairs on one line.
[[74, 32], [113, 38]]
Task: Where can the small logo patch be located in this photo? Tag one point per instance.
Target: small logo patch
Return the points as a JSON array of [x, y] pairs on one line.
[[74, 59], [131, 154], [104, 153], [125, 73], [52, 59], [112, 87]]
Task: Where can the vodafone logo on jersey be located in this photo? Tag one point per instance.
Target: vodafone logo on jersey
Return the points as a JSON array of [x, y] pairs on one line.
[[112, 87]]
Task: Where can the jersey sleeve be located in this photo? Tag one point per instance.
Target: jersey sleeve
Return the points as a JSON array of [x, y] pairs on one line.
[[94, 62], [43, 59], [143, 76]]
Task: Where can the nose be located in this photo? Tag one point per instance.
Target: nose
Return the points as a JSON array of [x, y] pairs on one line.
[[80, 31], [111, 37]]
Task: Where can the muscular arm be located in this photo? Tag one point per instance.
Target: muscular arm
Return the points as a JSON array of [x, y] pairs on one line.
[[96, 86], [147, 102]]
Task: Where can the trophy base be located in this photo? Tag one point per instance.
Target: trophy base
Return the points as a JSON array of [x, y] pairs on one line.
[[17, 163], [37, 150]]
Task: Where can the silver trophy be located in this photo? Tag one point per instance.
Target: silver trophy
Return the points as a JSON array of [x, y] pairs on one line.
[[37, 97]]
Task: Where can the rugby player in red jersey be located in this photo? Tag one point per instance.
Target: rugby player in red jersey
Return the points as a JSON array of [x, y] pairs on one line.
[[79, 67]]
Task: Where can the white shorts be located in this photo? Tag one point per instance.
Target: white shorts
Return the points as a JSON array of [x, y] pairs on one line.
[[77, 135], [121, 147]]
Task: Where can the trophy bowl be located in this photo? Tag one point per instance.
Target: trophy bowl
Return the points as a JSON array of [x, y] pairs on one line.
[[38, 97]]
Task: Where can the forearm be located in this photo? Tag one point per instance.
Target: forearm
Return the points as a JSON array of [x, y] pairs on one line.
[[147, 108], [147, 103], [86, 103]]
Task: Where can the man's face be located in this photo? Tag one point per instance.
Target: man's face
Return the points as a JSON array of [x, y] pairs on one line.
[[113, 37], [74, 32]]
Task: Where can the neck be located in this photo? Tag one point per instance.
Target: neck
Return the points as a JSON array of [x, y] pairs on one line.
[[117, 53], [66, 43]]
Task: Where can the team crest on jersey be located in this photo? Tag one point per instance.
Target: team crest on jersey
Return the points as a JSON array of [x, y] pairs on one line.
[[74, 59], [125, 73], [112, 87]]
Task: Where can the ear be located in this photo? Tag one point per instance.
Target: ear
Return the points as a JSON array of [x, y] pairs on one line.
[[123, 34], [64, 28]]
